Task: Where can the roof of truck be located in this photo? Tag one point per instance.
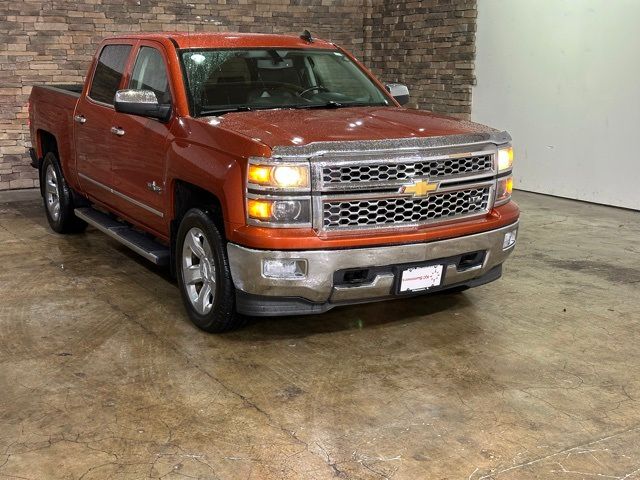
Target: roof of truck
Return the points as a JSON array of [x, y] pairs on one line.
[[230, 40]]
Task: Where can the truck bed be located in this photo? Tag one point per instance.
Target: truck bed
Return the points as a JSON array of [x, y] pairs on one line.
[[51, 110]]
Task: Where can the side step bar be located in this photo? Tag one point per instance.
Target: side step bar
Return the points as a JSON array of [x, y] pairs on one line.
[[136, 241]]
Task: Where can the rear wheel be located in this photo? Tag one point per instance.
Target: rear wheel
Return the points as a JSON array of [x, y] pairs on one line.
[[204, 276], [58, 199]]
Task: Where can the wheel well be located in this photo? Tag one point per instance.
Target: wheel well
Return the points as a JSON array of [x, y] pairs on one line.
[[48, 143], [187, 196]]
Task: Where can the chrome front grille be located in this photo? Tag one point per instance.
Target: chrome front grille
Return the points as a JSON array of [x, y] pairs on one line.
[[400, 183], [391, 172], [403, 211]]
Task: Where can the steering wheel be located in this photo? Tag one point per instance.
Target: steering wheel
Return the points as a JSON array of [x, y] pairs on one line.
[[319, 88]]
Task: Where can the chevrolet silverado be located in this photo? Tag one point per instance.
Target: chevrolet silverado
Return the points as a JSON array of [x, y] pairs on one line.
[[274, 174]]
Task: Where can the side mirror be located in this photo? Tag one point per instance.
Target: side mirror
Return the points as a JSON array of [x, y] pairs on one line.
[[398, 91], [141, 102]]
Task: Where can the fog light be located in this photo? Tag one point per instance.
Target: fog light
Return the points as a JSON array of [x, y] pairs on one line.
[[509, 239], [284, 268]]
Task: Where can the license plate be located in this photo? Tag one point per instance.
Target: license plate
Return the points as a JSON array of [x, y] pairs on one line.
[[421, 278]]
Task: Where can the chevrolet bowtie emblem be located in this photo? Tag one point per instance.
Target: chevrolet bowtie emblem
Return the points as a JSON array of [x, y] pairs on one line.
[[420, 188]]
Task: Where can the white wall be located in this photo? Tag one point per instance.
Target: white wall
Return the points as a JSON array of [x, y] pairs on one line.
[[563, 77]]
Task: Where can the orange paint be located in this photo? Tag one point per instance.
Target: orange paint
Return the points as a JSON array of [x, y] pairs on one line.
[[212, 153]]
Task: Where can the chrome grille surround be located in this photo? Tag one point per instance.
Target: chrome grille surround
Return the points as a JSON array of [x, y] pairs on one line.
[[365, 191], [371, 175], [357, 212]]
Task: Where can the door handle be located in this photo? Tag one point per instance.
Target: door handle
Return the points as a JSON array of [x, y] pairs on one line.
[[117, 131], [80, 119]]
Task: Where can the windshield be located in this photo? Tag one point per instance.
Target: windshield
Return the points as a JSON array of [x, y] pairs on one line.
[[220, 81]]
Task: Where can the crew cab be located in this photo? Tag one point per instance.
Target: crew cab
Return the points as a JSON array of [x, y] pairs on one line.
[[274, 174]]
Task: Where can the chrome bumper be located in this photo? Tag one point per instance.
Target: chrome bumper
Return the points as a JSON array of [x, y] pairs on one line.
[[318, 286]]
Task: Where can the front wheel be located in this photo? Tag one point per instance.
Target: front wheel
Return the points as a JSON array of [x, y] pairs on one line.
[[203, 273]]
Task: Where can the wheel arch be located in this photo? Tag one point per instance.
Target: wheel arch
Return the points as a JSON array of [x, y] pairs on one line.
[[185, 196], [46, 143]]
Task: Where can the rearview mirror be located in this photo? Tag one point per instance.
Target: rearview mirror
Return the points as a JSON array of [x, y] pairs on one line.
[[398, 91], [141, 102]]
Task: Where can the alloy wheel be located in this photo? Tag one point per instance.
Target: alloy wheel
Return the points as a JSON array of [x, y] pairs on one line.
[[198, 271], [52, 194]]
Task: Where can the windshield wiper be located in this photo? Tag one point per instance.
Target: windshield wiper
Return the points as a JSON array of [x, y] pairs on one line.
[[219, 111], [329, 104], [334, 104], [244, 108]]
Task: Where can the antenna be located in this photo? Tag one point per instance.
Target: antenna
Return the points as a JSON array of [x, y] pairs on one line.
[[306, 36]]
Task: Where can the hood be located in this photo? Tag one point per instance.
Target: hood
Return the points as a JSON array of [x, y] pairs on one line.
[[291, 127]]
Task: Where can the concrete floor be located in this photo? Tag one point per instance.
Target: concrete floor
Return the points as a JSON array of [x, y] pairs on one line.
[[534, 376]]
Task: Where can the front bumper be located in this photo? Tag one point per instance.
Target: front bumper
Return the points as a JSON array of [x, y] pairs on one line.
[[318, 291]]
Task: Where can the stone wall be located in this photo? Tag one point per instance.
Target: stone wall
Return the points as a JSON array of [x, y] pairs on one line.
[[428, 45]]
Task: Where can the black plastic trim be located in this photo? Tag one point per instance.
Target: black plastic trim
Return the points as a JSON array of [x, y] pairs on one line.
[[265, 306], [35, 161], [68, 89]]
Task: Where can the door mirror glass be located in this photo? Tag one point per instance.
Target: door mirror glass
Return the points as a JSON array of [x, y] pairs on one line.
[[398, 91], [141, 102]]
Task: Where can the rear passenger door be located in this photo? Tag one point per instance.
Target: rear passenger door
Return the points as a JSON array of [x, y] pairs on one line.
[[138, 155], [93, 119]]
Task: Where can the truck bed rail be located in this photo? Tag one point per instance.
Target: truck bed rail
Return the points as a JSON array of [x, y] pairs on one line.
[[69, 89]]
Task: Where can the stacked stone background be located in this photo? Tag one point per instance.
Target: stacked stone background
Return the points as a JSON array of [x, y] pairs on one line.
[[427, 44]]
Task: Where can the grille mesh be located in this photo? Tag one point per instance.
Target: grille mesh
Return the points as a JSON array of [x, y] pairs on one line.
[[389, 172], [404, 210]]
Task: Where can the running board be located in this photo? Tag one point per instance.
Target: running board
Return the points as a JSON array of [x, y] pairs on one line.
[[123, 233]]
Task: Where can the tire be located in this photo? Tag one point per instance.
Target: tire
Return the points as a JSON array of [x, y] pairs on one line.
[[204, 277], [58, 198]]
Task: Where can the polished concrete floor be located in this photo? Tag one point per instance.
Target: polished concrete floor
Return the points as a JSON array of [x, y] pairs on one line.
[[534, 376]]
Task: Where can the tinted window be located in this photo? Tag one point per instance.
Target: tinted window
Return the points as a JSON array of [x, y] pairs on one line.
[[109, 71], [150, 73]]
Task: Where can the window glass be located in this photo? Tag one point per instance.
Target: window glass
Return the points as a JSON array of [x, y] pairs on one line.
[[150, 73], [220, 81], [336, 75], [109, 72]]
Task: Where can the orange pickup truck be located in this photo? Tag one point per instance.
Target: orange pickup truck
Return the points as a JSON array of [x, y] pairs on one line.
[[274, 174]]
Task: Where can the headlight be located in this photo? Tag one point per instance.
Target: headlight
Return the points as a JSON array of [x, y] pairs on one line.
[[503, 190], [505, 158], [279, 176], [278, 193], [279, 212]]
